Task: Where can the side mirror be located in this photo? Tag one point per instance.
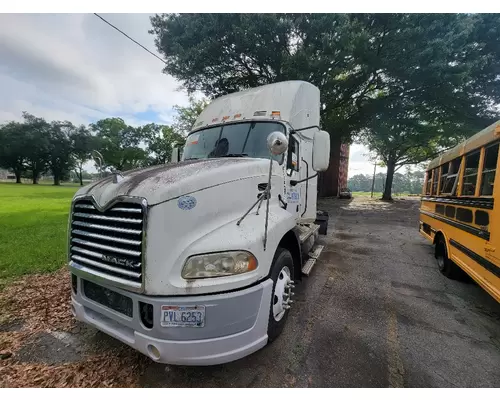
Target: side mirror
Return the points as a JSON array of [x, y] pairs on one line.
[[175, 155], [321, 151], [277, 143]]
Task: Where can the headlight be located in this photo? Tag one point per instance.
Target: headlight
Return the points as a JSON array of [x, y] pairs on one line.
[[219, 264]]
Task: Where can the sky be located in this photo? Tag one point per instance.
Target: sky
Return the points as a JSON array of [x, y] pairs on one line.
[[75, 67]]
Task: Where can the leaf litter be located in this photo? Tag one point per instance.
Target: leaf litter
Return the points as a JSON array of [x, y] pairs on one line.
[[40, 303]]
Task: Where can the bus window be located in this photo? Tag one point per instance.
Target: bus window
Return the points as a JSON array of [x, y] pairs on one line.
[[482, 218], [428, 182], [489, 167], [464, 215], [470, 175], [444, 174], [450, 211], [435, 181], [449, 184]]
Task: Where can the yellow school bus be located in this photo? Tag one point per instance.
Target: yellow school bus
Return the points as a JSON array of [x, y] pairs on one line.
[[458, 213]]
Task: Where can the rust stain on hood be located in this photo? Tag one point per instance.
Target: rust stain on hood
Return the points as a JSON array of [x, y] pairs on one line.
[[162, 182]]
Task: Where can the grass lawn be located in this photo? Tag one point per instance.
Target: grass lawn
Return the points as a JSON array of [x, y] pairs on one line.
[[33, 225], [378, 195]]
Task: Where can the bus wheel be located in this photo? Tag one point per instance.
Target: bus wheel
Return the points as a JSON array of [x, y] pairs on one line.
[[282, 276], [447, 267]]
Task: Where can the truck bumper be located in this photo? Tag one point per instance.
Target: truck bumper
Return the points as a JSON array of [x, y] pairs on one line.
[[235, 324]]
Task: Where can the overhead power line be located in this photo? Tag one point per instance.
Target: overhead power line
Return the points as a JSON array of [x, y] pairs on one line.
[[133, 40]]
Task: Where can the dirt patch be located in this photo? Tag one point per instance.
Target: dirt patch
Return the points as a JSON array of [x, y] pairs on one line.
[[50, 349], [11, 326], [345, 236]]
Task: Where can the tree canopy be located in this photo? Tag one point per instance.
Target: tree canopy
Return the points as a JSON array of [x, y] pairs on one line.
[[406, 73]]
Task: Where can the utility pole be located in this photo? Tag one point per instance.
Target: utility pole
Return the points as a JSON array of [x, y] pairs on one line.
[[373, 181]]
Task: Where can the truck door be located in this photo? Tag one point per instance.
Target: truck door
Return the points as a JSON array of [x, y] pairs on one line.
[[293, 193]]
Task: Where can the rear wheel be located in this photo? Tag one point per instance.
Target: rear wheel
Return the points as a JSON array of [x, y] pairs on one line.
[[282, 275], [447, 267]]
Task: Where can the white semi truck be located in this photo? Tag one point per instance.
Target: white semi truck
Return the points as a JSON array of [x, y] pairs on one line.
[[194, 262]]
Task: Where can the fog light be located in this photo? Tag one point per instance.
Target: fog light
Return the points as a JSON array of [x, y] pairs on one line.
[[74, 283], [153, 352], [146, 311]]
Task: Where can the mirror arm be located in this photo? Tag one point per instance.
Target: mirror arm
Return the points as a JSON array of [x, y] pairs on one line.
[[297, 131], [294, 183]]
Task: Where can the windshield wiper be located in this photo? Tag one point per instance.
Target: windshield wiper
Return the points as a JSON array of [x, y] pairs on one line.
[[192, 158], [236, 155]]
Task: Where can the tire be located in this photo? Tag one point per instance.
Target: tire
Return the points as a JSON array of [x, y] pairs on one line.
[[281, 274], [447, 267]]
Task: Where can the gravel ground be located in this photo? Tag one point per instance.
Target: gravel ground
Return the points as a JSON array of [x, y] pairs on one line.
[[375, 312]]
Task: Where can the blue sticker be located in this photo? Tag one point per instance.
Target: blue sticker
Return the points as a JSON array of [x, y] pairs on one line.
[[186, 202]]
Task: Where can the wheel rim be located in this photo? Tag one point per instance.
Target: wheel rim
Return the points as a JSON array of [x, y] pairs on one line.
[[282, 293]]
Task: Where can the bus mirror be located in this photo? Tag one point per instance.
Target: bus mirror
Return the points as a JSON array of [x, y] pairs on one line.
[[321, 151]]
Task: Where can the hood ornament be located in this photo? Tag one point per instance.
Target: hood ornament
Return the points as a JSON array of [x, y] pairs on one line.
[[117, 176]]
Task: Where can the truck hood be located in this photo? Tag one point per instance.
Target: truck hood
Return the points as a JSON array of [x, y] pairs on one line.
[[167, 181]]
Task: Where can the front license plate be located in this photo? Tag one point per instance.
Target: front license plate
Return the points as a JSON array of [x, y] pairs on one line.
[[183, 316]]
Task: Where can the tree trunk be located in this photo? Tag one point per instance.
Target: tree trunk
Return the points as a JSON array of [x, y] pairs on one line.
[[391, 166], [35, 177], [18, 176], [80, 176], [57, 180]]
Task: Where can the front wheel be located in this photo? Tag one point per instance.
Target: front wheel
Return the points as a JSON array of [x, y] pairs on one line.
[[447, 267], [282, 275]]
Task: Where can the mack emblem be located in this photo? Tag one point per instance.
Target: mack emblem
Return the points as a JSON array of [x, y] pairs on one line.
[[119, 261]]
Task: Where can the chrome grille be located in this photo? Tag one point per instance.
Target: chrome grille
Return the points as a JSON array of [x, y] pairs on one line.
[[108, 243]]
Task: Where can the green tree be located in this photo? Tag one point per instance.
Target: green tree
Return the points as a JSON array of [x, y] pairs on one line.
[[12, 148], [405, 137], [186, 115], [119, 144], [60, 160], [359, 183], [82, 143], [442, 92], [222, 53], [160, 140], [36, 132], [416, 179], [362, 63]]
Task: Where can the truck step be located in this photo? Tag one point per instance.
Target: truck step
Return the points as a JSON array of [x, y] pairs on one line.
[[313, 257], [305, 234], [316, 251]]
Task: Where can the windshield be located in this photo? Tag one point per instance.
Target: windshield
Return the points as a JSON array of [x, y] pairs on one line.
[[246, 139]]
